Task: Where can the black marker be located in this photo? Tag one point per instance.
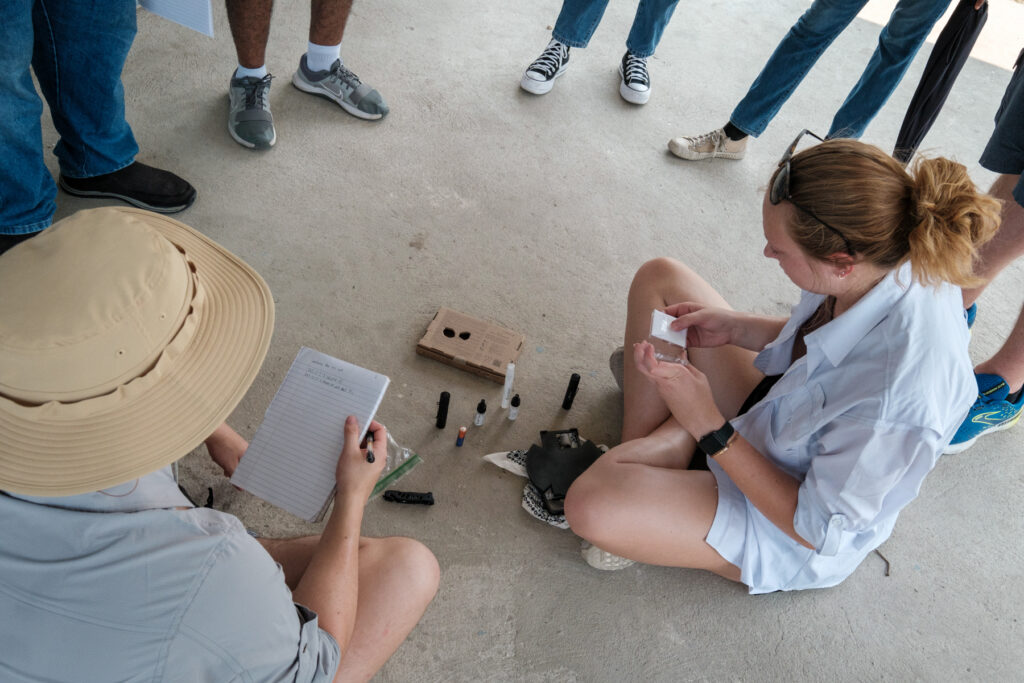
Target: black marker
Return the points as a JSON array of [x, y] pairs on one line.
[[442, 410], [369, 448], [570, 391]]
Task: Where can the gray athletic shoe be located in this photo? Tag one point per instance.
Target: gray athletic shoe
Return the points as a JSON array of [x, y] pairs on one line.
[[342, 86], [250, 122]]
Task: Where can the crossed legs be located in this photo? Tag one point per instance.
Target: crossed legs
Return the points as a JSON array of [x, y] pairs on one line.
[[639, 500], [398, 577]]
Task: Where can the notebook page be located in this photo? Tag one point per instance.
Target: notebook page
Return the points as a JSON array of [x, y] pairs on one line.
[[292, 458]]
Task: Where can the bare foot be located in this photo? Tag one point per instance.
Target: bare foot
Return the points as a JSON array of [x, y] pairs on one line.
[[226, 448]]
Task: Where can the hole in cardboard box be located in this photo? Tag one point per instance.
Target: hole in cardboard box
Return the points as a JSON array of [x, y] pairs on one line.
[[463, 335], [448, 332]]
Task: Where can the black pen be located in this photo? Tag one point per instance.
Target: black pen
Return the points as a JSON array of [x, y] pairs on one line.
[[369, 448]]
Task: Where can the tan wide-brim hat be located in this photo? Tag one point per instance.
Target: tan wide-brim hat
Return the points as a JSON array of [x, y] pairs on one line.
[[126, 338]]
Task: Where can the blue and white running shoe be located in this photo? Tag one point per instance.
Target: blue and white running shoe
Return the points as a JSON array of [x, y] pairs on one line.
[[994, 410]]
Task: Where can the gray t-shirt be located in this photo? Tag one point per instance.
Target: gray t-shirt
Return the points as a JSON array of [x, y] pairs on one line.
[[119, 585]]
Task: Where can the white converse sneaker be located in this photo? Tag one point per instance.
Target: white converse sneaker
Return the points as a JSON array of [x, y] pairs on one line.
[[603, 560], [713, 145], [540, 76]]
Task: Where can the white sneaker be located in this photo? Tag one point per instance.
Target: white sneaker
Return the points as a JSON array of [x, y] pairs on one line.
[[603, 560], [713, 145], [540, 76]]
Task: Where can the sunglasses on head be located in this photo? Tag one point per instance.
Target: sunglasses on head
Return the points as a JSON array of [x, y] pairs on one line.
[[779, 191]]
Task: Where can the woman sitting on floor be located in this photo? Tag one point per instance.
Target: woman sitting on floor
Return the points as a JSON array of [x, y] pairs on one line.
[[849, 401]]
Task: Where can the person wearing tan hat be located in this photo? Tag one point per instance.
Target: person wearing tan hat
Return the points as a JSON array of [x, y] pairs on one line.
[[144, 339]]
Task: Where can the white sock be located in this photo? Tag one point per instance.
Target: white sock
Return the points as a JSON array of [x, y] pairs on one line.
[[321, 57], [259, 72]]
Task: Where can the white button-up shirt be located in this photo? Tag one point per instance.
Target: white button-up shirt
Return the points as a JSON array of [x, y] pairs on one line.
[[860, 419]]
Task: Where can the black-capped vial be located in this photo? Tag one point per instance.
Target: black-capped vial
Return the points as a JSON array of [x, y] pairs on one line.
[[513, 411], [481, 408]]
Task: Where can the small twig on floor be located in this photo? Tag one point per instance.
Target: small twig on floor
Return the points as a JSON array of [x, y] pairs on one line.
[[884, 559]]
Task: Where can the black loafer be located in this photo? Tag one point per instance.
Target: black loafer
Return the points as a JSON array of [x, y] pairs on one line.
[[138, 184]]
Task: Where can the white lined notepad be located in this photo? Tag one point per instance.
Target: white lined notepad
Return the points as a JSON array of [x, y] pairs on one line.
[[292, 459]]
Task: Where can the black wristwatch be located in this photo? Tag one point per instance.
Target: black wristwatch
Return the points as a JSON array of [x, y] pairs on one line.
[[717, 442]]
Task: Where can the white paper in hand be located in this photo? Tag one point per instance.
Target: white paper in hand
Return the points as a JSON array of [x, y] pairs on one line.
[[660, 329], [292, 458]]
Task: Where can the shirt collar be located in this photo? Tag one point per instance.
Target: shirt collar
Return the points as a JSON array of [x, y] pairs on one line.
[[155, 490], [836, 339]]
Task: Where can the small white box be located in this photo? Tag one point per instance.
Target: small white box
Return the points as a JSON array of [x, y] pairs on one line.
[[660, 329]]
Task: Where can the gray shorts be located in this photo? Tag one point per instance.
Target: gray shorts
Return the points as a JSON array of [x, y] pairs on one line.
[[1004, 152]]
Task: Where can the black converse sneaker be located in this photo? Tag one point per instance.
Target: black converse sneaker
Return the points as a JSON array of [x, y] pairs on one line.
[[636, 82], [540, 76]]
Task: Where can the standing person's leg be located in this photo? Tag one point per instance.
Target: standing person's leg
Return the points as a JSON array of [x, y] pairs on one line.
[[27, 190], [652, 16], [250, 30], [576, 23], [322, 71], [79, 53], [1000, 401], [250, 122], [792, 59], [398, 577], [898, 43]]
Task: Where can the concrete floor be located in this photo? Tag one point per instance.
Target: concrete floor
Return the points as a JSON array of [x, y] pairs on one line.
[[534, 212]]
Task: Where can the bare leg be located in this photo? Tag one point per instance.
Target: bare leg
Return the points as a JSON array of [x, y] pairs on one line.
[[327, 19], [250, 29], [1007, 245], [226, 448], [659, 283], [398, 577], [639, 501]]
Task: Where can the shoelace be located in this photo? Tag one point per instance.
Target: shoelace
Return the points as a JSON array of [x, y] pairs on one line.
[[636, 69], [550, 59], [256, 93], [715, 137], [345, 75]]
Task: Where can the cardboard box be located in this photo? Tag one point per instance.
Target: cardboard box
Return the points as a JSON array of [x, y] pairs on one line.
[[471, 344]]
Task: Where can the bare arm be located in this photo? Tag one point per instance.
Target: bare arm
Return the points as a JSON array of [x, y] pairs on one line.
[[773, 492], [709, 326], [330, 584], [687, 393]]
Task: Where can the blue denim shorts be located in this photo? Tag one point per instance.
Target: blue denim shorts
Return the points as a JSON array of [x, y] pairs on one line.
[[1004, 152]]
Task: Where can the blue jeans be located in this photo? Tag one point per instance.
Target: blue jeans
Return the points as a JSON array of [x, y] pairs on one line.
[[579, 19], [810, 36], [77, 49]]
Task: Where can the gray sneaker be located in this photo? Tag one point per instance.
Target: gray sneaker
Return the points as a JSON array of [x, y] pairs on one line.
[[342, 86], [250, 122]]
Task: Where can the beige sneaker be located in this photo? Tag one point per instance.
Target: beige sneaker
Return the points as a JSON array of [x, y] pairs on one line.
[[601, 559], [713, 145]]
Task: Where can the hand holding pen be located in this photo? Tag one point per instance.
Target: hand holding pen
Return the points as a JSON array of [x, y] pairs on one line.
[[359, 469]]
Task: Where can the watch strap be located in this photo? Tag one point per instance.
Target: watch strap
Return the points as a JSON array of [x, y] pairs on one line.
[[716, 442]]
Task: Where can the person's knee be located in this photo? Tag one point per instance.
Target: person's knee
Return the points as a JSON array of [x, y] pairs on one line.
[[657, 272], [420, 573], [583, 507]]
